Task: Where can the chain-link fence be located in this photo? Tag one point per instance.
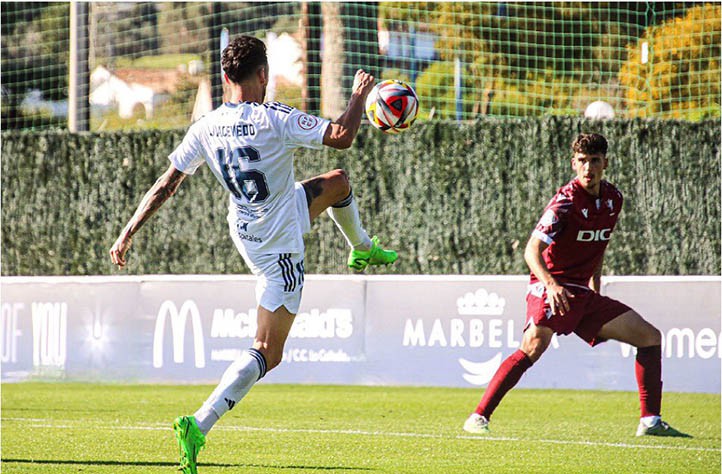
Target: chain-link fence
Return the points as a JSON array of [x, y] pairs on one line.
[[102, 66]]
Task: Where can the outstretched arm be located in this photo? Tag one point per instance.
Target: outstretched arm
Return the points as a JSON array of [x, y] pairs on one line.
[[164, 187], [341, 133], [557, 295]]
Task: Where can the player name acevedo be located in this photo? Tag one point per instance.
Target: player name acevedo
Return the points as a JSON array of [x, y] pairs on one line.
[[238, 130]]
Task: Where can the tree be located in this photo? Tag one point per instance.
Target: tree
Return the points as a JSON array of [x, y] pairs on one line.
[[136, 31], [34, 56], [680, 78], [332, 98]]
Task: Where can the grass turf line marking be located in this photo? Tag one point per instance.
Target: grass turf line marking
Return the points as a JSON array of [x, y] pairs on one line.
[[471, 437], [45, 423]]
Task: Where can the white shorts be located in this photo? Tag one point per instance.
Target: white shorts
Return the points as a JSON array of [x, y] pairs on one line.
[[280, 280], [280, 275]]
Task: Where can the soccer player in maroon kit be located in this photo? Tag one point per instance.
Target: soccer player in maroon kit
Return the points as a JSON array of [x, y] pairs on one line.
[[565, 255]]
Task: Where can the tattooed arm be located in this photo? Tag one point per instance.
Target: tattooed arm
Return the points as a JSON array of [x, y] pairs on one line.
[[164, 187]]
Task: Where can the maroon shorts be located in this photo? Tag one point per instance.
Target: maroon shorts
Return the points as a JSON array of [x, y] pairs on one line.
[[588, 312]]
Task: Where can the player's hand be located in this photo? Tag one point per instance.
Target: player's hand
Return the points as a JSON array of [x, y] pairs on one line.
[[363, 82], [119, 249], [558, 298]]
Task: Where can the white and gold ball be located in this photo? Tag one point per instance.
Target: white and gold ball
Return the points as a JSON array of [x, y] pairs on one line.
[[391, 106]]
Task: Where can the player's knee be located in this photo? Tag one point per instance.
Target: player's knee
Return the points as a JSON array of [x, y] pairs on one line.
[[340, 183], [535, 341], [647, 334], [340, 177], [271, 356], [273, 360], [534, 347], [534, 352], [273, 363], [652, 337]]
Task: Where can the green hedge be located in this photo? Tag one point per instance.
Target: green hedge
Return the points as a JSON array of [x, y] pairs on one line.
[[453, 199]]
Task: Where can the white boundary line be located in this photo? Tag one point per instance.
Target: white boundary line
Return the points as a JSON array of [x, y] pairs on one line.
[[45, 424]]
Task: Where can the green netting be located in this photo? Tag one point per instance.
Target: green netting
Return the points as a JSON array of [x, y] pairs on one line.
[[152, 64]]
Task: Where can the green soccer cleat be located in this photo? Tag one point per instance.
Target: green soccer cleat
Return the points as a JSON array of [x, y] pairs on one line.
[[659, 429], [476, 424], [360, 259], [190, 442]]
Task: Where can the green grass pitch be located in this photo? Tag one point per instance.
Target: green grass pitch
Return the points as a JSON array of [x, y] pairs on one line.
[[87, 428]]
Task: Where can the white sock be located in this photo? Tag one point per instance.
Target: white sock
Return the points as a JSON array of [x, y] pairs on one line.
[[206, 418], [650, 421], [237, 380], [345, 215]]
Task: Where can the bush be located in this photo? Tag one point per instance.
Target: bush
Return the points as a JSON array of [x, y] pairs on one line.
[[452, 198], [435, 87]]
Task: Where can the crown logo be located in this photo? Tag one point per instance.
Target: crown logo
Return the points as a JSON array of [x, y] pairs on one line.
[[481, 303]]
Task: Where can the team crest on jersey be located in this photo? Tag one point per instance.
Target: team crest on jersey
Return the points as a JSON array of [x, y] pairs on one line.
[[585, 211], [610, 204], [307, 122]]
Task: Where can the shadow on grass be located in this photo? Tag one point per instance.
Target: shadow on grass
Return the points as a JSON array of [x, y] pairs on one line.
[[91, 462]]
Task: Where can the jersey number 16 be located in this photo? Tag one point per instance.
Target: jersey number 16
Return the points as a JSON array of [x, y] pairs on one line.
[[250, 184]]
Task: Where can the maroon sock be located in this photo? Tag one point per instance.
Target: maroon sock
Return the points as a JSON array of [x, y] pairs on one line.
[[648, 369], [508, 374]]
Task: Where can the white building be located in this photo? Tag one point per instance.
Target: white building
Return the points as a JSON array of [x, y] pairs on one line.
[[109, 91]]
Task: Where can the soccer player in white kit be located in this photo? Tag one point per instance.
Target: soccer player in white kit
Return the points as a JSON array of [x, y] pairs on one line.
[[249, 147]]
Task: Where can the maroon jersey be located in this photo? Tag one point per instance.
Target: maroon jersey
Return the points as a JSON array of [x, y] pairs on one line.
[[577, 226]]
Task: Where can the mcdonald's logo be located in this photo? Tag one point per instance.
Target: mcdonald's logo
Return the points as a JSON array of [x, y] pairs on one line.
[[178, 328]]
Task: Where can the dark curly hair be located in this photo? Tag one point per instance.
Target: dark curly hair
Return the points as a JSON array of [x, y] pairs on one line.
[[242, 58], [590, 144]]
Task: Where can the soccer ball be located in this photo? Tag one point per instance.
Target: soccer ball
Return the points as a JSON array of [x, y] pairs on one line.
[[391, 106], [599, 110]]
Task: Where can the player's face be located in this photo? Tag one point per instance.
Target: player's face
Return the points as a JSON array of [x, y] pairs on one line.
[[589, 169]]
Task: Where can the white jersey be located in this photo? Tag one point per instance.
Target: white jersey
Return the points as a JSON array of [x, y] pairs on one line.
[[249, 148]]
